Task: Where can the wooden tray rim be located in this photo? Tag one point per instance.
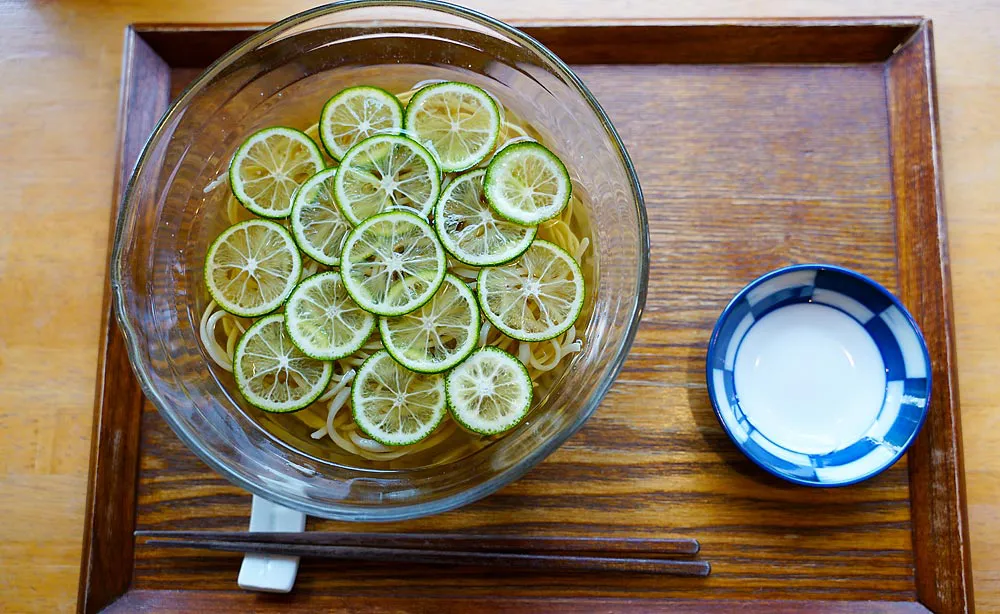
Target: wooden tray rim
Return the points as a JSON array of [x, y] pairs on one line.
[[916, 32]]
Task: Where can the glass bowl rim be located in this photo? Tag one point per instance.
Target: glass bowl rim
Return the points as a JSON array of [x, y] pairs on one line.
[[501, 478]]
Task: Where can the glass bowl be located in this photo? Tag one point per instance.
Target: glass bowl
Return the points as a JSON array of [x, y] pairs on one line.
[[290, 69]]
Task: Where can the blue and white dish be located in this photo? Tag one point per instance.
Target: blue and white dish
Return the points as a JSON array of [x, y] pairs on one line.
[[819, 375]]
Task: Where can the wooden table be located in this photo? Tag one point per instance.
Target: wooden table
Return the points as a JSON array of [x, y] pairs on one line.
[[59, 65]]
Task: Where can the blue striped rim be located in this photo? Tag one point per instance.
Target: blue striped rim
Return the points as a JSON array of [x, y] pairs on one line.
[[892, 355], [739, 310], [861, 289], [782, 298], [754, 448], [913, 406], [891, 328], [730, 389]]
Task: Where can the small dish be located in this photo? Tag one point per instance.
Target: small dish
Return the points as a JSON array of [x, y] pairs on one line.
[[819, 375]]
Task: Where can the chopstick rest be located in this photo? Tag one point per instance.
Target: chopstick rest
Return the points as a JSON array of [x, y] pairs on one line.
[[271, 573]]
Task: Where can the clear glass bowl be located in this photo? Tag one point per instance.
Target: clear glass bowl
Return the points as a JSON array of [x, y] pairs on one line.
[[289, 69]]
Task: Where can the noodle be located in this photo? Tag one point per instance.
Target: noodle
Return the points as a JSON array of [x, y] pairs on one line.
[[581, 249], [524, 352], [340, 383], [215, 183], [463, 271], [222, 355], [504, 343], [368, 444], [231, 340], [314, 421], [330, 416], [308, 269]]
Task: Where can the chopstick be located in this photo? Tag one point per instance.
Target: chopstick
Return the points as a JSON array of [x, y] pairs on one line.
[[548, 562], [631, 546]]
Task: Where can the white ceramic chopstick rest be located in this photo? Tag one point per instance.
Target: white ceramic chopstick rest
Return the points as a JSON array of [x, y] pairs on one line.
[[271, 573]]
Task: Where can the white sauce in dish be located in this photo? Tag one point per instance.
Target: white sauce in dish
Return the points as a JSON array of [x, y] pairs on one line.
[[810, 378]]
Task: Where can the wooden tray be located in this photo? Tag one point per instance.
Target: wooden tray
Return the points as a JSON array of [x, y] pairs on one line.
[[768, 143]]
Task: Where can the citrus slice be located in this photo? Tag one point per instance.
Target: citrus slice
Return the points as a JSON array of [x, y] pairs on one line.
[[469, 228], [392, 263], [438, 335], [384, 172], [458, 122], [395, 406], [490, 392], [355, 114], [252, 267], [317, 223], [323, 321], [268, 168], [536, 297], [273, 374], [526, 183]]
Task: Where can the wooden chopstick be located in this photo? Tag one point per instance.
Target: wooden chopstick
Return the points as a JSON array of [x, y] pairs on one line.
[[548, 562], [632, 546]]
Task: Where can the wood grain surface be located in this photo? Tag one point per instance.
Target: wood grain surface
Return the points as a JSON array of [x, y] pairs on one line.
[[166, 601], [106, 563], [733, 190], [940, 550], [60, 66]]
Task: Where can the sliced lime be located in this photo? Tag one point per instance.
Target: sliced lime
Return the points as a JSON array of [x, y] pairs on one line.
[[268, 168], [526, 183], [318, 225], [459, 123], [323, 320], [355, 114], [384, 172], [392, 263], [252, 267], [393, 405], [490, 392], [273, 374], [469, 228], [438, 335], [536, 297]]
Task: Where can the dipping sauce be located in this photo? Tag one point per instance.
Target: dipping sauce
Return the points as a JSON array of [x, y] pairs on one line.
[[810, 378]]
